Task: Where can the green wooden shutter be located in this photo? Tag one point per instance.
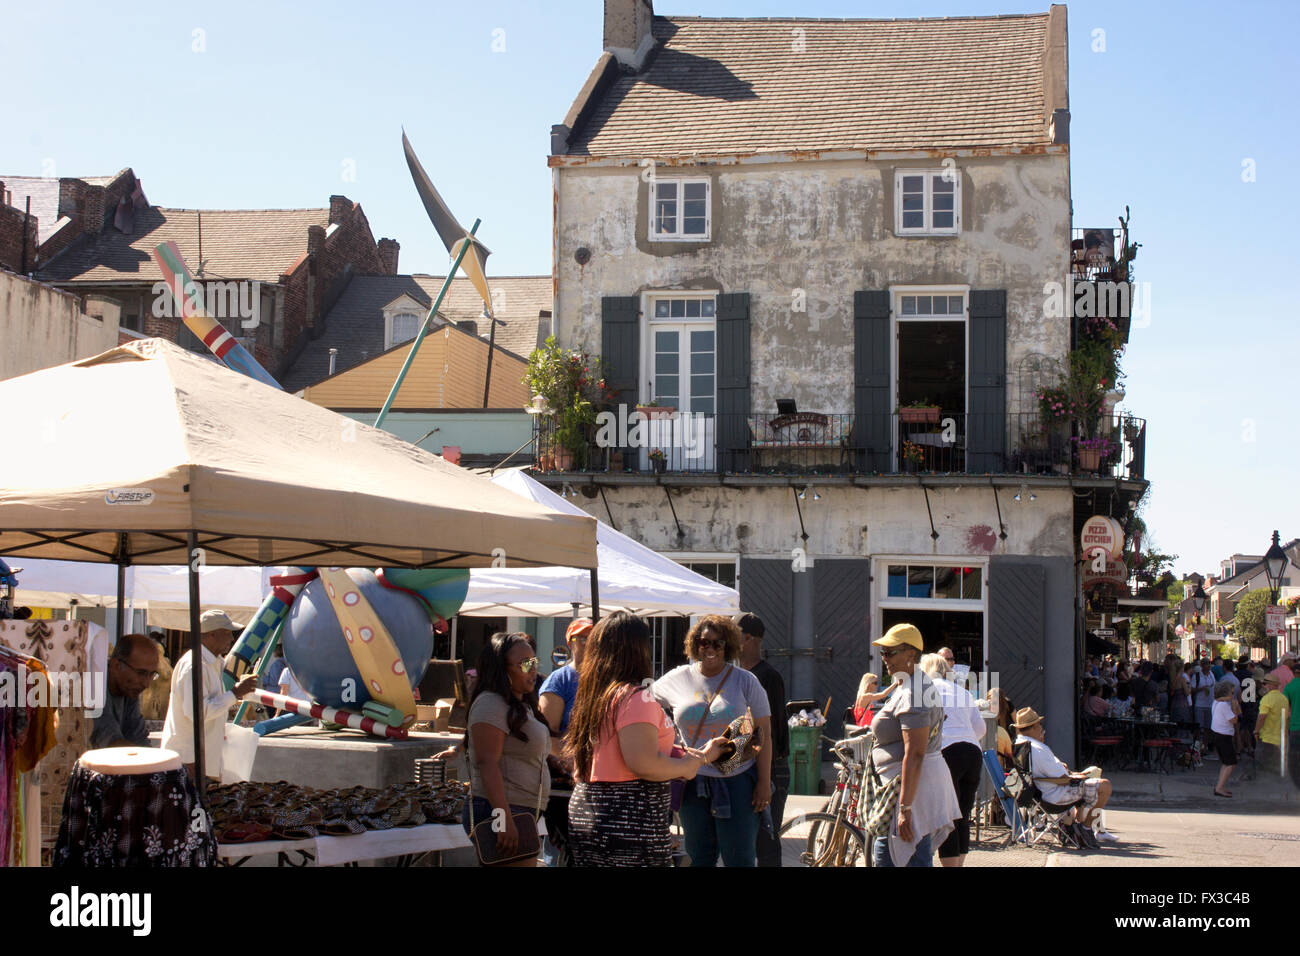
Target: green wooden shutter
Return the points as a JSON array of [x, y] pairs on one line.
[[986, 429], [840, 588], [1017, 629], [732, 426], [620, 348], [872, 409]]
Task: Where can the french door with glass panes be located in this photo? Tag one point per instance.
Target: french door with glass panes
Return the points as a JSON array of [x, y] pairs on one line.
[[682, 374]]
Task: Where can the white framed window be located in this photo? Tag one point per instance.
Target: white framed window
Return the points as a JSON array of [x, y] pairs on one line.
[[681, 352], [404, 327], [402, 318], [680, 209], [927, 202]]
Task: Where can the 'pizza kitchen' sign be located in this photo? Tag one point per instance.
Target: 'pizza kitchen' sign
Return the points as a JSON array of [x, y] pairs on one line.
[[1102, 532]]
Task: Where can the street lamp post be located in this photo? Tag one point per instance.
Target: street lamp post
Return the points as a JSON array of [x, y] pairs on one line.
[[1198, 606], [1275, 562]]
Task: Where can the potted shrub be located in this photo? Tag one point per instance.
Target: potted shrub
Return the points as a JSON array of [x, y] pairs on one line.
[[571, 387], [1093, 451], [658, 461], [918, 412], [913, 456]]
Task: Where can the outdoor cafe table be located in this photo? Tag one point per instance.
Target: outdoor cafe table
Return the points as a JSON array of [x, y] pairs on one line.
[[1136, 731]]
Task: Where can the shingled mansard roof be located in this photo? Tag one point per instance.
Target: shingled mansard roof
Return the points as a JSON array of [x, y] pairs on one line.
[[259, 244], [355, 324], [746, 86]]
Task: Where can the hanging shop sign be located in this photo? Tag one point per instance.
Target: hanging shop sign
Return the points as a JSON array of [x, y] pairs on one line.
[[1103, 532]]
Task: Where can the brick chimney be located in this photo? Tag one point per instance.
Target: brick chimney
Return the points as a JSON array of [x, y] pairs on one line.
[[315, 239], [627, 31], [388, 250], [340, 206]]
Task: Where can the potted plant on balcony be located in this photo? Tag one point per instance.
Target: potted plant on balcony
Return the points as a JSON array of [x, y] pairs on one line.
[[658, 460], [913, 456], [572, 388], [1091, 452], [918, 412], [652, 409]]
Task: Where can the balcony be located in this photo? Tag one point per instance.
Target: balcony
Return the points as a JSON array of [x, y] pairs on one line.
[[910, 441], [1101, 283]]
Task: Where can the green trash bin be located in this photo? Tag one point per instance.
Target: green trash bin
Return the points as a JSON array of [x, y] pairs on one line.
[[805, 759]]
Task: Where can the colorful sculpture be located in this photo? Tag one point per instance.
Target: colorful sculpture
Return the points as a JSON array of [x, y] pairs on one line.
[[369, 611]]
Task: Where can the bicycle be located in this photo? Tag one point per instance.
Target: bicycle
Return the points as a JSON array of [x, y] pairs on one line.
[[834, 837]]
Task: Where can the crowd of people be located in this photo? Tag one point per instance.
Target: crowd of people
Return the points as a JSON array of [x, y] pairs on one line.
[[1232, 708]]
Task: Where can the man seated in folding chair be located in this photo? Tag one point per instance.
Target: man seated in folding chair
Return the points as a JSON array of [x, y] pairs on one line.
[[1061, 790]]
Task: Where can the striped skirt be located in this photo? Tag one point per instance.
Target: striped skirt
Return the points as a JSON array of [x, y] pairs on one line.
[[621, 824]]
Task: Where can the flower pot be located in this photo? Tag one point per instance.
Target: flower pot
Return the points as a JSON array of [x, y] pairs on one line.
[[616, 460], [563, 459], [1090, 459], [660, 465], [657, 411], [928, 414]]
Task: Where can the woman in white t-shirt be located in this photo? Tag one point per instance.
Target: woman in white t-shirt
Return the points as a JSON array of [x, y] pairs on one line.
[[1223, 724]]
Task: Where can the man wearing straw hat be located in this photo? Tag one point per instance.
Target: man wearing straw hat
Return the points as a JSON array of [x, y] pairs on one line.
[[1061, 789]]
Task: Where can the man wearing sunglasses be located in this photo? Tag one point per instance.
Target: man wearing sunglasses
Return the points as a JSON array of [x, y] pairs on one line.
[[131, 669]]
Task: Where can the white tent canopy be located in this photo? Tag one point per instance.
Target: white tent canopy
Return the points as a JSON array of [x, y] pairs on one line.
[[632, 576], [162, 590]]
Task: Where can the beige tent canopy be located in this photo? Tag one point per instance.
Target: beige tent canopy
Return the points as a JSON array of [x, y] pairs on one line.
[[121, 455], [148, 454]]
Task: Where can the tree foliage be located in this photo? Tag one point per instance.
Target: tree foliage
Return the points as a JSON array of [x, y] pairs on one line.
[[1248, 619]]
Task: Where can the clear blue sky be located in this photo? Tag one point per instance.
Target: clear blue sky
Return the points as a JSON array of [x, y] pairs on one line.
[[283, 95]]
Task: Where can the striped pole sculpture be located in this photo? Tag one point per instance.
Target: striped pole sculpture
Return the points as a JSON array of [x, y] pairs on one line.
[[188, 296], [334, 715]]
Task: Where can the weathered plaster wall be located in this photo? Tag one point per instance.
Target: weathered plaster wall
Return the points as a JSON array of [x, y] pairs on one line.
[[826, 227], [847, 521], [41, 327]]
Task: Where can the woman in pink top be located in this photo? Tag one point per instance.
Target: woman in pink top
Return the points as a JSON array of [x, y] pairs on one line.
[[621, 742]]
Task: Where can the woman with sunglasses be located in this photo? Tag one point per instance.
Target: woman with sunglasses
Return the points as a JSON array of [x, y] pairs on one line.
[[507, 740], [720, 812], [621, 743], [908, 735]]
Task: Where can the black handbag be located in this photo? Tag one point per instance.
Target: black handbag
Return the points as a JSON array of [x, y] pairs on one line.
[[484, 835]]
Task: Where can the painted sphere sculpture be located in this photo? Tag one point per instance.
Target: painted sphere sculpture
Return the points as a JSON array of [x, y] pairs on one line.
[[317, 653]]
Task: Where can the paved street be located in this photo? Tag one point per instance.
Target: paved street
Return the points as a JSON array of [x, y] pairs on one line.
[[1162, 820]]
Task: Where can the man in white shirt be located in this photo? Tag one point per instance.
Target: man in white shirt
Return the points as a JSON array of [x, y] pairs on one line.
[[178, 729], [1056, 784]]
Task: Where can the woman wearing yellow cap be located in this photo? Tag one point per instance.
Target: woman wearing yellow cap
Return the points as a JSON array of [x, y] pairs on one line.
[[907, 742]]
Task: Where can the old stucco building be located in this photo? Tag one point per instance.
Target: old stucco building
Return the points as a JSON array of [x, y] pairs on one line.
[[793, 232]]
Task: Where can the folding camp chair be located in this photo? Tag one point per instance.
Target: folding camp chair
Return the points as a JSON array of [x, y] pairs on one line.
[[1012, 814], [1040, 819]]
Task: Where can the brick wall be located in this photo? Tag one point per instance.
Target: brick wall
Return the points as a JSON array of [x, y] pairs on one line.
[[321, 275], [11, 236]]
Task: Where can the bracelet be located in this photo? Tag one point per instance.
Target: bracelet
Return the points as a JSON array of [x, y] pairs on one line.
[[904, 808]]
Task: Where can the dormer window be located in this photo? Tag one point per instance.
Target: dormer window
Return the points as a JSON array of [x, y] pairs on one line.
[[927, 202], [405, 326], [402, 319], [680, 209]]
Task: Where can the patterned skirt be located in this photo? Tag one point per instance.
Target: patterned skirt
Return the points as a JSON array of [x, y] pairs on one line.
[[621, 824], [136, 820]]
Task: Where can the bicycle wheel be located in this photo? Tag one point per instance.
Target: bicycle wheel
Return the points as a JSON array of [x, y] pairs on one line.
[[821, 839]]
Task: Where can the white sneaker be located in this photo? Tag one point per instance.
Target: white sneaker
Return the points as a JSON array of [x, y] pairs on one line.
[[1105, 836]]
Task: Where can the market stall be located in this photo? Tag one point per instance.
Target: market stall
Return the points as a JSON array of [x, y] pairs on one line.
[[225, 470]]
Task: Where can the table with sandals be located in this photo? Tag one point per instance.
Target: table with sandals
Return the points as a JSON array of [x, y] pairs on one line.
[[301, 826]]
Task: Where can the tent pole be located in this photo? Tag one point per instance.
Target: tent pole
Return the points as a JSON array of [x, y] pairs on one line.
[[595, 597], [122, 560], [196, 668]]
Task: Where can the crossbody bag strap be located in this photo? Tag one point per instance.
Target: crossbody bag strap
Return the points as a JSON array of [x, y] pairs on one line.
[[695, 737]]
